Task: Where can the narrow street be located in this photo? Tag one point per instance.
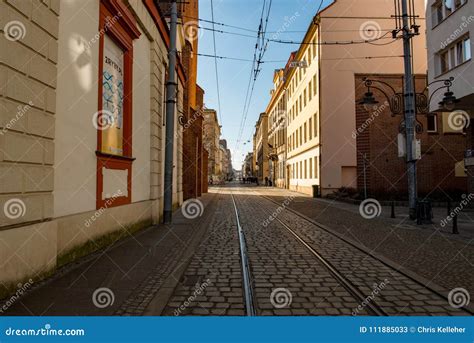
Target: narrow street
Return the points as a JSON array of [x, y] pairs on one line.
[[297, 266]]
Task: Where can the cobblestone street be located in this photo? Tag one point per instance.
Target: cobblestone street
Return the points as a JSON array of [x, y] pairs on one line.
[[305, 257]]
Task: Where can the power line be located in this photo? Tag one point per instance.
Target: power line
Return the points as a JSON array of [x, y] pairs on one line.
[[234, 58], [351, 42], [250, 86]]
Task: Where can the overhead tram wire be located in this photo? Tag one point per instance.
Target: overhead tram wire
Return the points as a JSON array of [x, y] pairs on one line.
[[215, 64], [280, 41], [262, 47], [248, 92], [283, 61]]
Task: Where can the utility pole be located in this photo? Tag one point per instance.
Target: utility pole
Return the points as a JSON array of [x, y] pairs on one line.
[[410, 111], [171, 85]]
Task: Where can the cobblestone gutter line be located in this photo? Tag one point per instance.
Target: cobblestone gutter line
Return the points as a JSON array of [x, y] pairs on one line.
[[139, 300]]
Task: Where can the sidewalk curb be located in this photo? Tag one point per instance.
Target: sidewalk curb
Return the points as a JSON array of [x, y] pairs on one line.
[[161, 298]]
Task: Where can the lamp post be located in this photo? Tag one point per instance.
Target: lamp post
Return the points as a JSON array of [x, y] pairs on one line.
[[410, 126]]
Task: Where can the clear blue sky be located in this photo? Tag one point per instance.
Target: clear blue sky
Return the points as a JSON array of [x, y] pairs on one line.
[[234, 75]]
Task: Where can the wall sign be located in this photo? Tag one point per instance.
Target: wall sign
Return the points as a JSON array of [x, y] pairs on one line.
[[112, 97]]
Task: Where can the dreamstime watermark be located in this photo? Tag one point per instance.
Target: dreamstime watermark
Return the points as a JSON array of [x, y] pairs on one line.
[[458, 120], [277, 212], [187, 124], [22, 288], [281, 298], [108, 202], [192, 31], [288, 21], [198, 291], [459, 297], [14, 30], [370, 30], [103, 297], [47, 330], [370, 208], [107, 25], [466, 199], [377, 288], [14, 208], [378, 110], [458, 32], [21, 111], [192, 208], [103, 120]]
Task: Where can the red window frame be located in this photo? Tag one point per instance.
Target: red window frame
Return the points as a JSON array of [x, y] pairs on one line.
[[116, 21]]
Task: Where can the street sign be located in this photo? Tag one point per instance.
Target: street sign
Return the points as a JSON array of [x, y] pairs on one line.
[[299, 64]]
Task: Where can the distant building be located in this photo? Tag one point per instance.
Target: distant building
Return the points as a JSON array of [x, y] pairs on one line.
[[248, 166], [212, 133], [261, 148], [277, 128]]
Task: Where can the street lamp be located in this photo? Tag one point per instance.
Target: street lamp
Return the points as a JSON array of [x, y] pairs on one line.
[[396, 102], [422, 102]]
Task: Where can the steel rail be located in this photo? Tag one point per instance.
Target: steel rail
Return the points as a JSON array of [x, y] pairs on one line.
[[246, 274], [322, 227]]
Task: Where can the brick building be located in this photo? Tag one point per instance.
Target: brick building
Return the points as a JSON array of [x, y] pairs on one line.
[[440, 169], [211, 136], [191, 118], [261, 148]]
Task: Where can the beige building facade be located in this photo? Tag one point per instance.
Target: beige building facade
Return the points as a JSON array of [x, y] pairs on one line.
[[261, 148], [211, 137], [81, 130], [277, 119]]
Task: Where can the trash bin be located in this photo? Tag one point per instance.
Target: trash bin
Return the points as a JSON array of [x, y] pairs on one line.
[[424, 212], [316, 193]]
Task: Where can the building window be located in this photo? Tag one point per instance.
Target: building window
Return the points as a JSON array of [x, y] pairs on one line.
[[314, 85], [114, 133], [316, 175], [304, 97], [310, 128], [315, 122], [301, 135], [310, 93], [432, 123], [314, 47], [454, 55], [305, 169], [305, 137], [310, 168], [301, 169], [301, 104], [443, 9]]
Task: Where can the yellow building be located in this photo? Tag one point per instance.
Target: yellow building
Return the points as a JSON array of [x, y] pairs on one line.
[[277, 118], [261, 148], [303, 138]]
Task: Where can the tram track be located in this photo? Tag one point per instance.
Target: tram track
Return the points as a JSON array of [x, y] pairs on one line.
[[251, 307], [350, 287], [246, 273]]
